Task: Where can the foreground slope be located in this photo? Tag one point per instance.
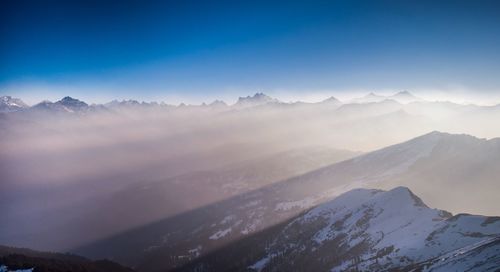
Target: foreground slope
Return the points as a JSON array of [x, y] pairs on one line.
[[372, 230], [365, 230], [481, 256]]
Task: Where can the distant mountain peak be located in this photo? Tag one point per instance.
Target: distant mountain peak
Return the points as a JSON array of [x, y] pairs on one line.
[[117, 103], [72, 102], [332, 99], [404, 93], [405, 97], [9, 103], [436, 133], [68, 99], [256, 100], [256, 96], [372, 94], [12, 101], [218, 103], [66, 104], [442, 135], [368, 98]]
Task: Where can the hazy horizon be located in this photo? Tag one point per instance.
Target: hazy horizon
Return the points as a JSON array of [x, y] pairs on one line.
[[357, 135], [186, 52], [286, 97]]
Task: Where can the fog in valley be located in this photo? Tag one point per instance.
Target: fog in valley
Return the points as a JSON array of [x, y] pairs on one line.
[[73, 174]]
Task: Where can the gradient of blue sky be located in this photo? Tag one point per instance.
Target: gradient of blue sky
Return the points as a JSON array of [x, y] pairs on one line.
[[100, 50]]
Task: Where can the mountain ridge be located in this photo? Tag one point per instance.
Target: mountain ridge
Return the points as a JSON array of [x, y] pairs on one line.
[[257, 99], [367, 229]]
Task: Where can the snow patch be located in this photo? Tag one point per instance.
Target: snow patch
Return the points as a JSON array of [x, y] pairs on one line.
[[219, 234]]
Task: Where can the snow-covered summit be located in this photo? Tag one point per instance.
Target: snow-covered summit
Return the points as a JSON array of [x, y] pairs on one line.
[[255, 100], [375, 230], [10, 104], [66, 104], [116, 103]]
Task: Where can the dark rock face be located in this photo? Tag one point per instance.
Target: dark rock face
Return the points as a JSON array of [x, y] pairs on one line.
[[72, 103]]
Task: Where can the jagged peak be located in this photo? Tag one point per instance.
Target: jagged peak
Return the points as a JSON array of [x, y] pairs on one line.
[[257, 99], [12, 101], [70, 101], [68, 98], [218, 103], [256, 96]]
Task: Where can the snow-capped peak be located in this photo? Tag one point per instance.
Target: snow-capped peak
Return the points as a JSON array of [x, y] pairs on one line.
[[66, 104], [8, 104], [255, 100], [374, 230]]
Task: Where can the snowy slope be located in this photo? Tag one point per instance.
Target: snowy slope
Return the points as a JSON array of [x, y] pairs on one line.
[[429, 164], [65, 105], [373, 230], [482, 256], [255, 211]]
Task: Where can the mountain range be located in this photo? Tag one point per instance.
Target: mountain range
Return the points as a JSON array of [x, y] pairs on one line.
[[69, 104], [267, 185], [188, 236], [10, 104]]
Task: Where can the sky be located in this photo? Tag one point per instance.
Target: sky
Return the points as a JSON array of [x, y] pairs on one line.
[[196, 51]]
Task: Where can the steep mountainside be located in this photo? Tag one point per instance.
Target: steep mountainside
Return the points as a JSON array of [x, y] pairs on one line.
[[366, 230], [431, 164], [192, 234]]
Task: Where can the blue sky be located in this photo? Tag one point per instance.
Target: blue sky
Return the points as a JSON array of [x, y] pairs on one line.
[[200, 50]]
